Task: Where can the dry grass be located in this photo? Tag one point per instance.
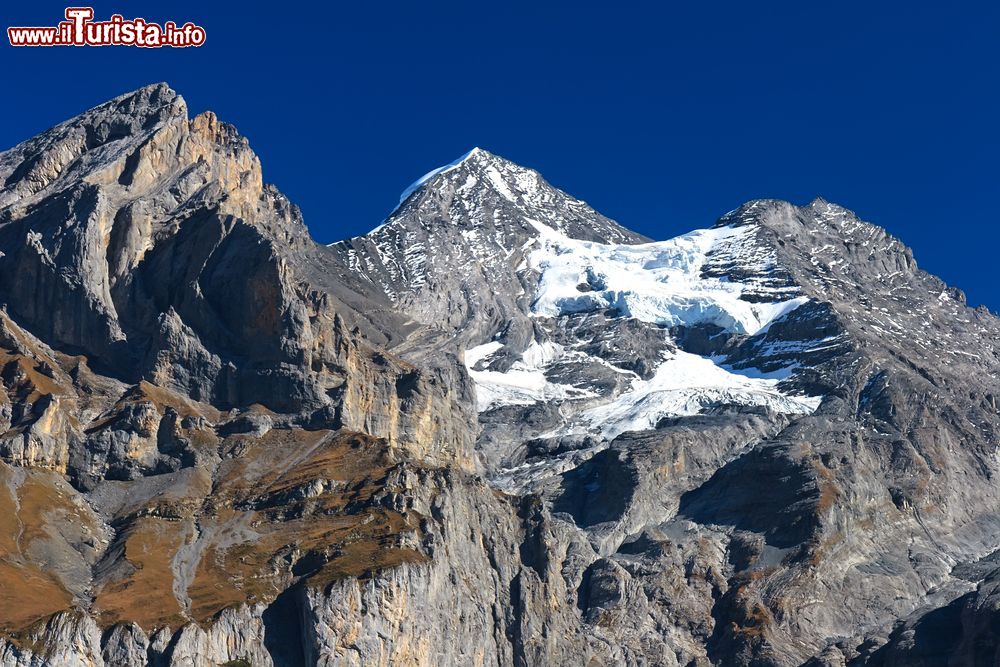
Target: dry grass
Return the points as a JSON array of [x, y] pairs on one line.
[[228, 578], [328, 533], [290, 499], [829, 492], [145, 595], [290, 506], [756, 622], [756, 618], [361, 560], [164, 398], [336, 531], [28, 594], [10, 523], [29, 383], [161, 399]]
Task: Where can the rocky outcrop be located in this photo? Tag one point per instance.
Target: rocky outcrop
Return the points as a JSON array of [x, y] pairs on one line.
[[148, 243]]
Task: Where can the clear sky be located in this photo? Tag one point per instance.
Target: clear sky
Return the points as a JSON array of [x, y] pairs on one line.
[[661, 115]]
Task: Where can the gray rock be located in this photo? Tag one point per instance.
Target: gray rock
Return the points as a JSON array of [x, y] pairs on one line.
[[223, 442]]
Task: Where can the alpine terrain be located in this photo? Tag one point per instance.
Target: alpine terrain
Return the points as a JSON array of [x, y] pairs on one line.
[[499, 429]]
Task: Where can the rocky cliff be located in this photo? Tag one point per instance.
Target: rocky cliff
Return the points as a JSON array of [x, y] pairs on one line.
[[500, 429]]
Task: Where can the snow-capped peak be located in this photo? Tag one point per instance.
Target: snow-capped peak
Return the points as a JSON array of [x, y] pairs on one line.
[[417, 184]]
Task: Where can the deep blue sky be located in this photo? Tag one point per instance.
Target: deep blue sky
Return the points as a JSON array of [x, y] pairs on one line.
[[661, 115]]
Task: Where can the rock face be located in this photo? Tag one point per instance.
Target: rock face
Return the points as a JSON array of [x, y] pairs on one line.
[[500, 429]]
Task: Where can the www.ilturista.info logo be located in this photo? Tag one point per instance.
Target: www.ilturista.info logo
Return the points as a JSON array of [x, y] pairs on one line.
[[79, 29]]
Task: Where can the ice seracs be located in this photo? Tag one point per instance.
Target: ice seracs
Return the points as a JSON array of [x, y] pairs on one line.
[[662, 283]]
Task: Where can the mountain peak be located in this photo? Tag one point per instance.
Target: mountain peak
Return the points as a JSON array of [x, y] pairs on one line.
[[475, 161], [133, 142], [141, 109], [480, 180], [150, 93], [790, 218], [419, 183]]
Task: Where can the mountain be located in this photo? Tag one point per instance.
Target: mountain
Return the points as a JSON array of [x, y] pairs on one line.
[[500, 428]]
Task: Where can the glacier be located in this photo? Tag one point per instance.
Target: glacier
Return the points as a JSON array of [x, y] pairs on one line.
[[656, 282], [659, 283]]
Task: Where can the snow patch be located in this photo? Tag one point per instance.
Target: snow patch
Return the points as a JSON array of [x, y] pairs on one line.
[[498, 182], [524, 384], [476, 354], [687, 384]]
